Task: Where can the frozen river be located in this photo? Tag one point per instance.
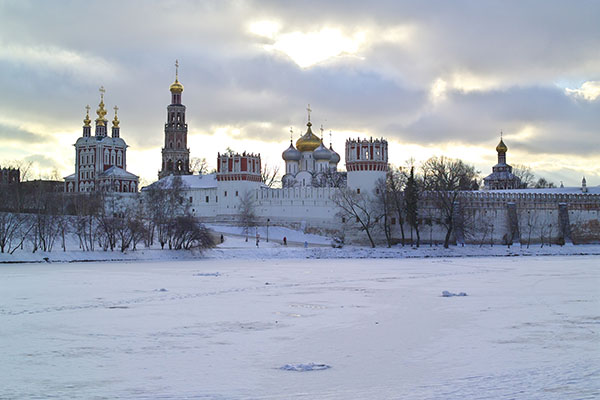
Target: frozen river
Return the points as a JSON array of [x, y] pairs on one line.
[[222, 329]]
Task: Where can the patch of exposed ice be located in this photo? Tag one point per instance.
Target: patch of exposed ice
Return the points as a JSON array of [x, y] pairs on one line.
[[446, 293], [305, 367], [207, 274]]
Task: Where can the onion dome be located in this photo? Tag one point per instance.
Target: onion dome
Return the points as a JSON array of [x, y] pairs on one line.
[[101, 111], [309, 141], [87, 121], [291, 154], [176, 87], [501, 148], [116, 120], [322, 153], [335, 157]]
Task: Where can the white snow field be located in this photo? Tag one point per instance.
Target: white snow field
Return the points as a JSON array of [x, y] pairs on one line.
[[528, 328]]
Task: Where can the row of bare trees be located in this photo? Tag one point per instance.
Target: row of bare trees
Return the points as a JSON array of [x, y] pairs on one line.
[[399, 198], [102, 221]]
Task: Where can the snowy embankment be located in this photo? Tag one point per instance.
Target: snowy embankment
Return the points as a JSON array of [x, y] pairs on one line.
[[235, 246], [302, 329]]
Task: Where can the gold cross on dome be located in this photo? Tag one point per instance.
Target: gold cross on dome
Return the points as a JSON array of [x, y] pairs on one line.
[[102, 91], [176, 69], [291, 133], [309, 110], [116, 109], [88, 108]]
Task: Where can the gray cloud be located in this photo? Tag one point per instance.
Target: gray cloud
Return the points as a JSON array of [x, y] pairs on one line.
[[10, 133]]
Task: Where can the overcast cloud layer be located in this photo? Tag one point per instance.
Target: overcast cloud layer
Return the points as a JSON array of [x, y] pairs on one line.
[[432, 77]]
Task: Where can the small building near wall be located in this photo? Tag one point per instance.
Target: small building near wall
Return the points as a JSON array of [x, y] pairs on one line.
[[502, 177]]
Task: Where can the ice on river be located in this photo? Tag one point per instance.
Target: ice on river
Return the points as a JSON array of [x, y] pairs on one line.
[[223, 329]]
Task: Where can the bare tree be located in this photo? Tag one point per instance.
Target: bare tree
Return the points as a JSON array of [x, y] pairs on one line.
[[357, 207], [385, 204], [163, 201], [543, 183], [396, 182], [14, 228], [189, 234], [329, 178], [524, 173], [269, 175], [412, 195], [199, 165], [444, 179], [24, 167], [86, 208], [247, 212], [529, 222]]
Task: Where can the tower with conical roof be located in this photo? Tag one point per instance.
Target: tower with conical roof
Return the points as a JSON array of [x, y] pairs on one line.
[[175, 153]]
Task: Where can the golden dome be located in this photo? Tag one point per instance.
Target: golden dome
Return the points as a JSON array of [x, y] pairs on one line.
[[116, 120], [309, 141], [87, 121], [501, 148], [176, 87], [101, 111]]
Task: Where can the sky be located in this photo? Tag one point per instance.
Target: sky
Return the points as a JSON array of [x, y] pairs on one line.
[[432, 77]]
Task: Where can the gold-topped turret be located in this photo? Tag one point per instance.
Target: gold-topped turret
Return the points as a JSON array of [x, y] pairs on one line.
[[87, 121], [101, 111], [176, 87], [116, 119]]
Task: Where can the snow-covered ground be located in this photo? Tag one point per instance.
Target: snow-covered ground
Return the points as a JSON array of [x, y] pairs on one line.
[[235, 246], [211, 328]]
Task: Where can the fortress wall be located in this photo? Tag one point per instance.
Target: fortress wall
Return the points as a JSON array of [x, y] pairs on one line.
[[485, 215]]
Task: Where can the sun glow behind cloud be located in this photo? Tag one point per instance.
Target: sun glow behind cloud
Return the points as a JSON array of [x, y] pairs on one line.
[[309, 48], [589, 90]]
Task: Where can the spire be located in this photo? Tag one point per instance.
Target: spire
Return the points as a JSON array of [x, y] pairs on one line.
[[116, 119], [291, 135], [101, 111], [309, 111], [87, 121]]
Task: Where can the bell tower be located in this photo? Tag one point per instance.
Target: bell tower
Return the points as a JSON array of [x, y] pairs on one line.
[[175, 153]]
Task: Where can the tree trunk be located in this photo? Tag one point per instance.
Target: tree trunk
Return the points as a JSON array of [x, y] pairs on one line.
[[447, 238]]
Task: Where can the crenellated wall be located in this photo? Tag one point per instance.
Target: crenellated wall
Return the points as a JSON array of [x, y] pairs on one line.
[[486, 217]]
